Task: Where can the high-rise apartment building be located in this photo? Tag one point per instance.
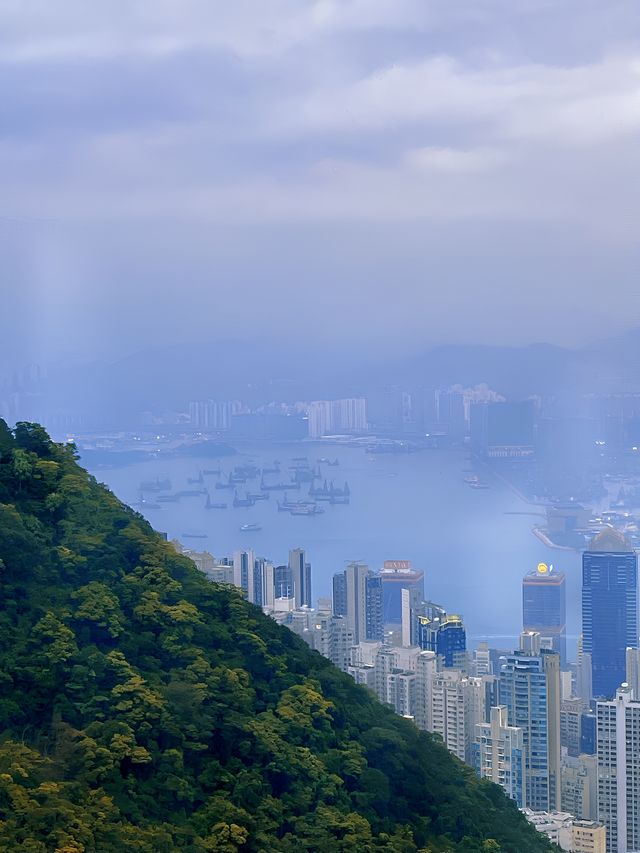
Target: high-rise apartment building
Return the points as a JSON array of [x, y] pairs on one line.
[[301, 576], [530, 689], [632, 666], [544, 607], [374, 626], [283, 580], [618, 750], [351, 590], [609, 609], [498, 754]]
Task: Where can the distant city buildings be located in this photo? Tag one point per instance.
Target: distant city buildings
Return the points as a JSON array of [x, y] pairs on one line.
[[327, 417]]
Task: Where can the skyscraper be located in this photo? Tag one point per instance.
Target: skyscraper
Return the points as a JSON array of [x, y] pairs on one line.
[[398, 575], [544, 607], [451, 643], [609, 609], [301, 576], [530, 689], [619, 770], [373, 608]]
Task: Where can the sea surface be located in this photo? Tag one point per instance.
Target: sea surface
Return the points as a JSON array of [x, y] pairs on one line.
[[474, 545]]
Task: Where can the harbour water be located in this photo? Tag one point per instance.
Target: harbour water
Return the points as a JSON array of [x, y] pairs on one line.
[[474, 545]]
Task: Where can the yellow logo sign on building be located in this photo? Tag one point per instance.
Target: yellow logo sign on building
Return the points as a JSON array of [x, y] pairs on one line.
[[543, 568]]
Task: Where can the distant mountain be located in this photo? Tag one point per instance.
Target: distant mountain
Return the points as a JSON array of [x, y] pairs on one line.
[[146, 709]]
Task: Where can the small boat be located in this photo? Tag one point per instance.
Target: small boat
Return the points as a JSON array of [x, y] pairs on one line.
[[191, 493], [259, 496], [195, 536], [165, 499], [213, 505], [157, 485], [307, 510], [198, 479], [334, 463], [249, 528], [247, 501], [274, 470], [210, 472]]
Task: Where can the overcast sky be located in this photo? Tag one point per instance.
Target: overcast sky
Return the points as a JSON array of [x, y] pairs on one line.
[[392, 173]]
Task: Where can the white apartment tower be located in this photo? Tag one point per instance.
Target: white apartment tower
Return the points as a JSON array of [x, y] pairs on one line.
[[618, 752]]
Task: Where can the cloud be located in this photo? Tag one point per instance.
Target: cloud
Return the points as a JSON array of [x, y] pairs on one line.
[[396, 117]]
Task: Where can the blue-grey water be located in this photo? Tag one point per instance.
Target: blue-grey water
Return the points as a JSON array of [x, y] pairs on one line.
[[474, 545]]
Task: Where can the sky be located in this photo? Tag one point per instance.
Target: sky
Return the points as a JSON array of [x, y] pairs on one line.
[[387, 174]]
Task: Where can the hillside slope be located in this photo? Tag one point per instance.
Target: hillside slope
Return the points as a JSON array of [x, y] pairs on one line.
[[145, 709]]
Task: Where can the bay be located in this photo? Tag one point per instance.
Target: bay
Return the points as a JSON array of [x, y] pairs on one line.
[[474, 545]]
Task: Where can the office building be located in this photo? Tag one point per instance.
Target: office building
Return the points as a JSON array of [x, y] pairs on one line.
[[618, 751], [530, 689], [397, 575], [451, 643], [301, 576], [609, 609], [544, 607], [498, 754]]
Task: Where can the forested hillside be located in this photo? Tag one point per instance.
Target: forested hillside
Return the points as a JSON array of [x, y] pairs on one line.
[[143, 708]]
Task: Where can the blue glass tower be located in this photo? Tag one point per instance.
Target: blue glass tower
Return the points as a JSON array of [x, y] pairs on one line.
[[451, 642], [609, 608]]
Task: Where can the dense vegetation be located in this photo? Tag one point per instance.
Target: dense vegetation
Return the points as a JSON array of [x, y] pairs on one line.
[[143, 708]]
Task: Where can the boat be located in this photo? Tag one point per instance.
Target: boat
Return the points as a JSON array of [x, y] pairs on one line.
[[228, 484], [247, 501], [198, 479], [275, 487], [190, 493], [330, 492], [334, 463], [165, 499], [212, 505], [248, 472], [259, 496], [307, 510], [274, 470], [249, 528], [209, 472], [195, 536], [158, 485]]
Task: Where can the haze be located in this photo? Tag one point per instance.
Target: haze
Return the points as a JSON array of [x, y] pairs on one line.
[[389, 175]]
